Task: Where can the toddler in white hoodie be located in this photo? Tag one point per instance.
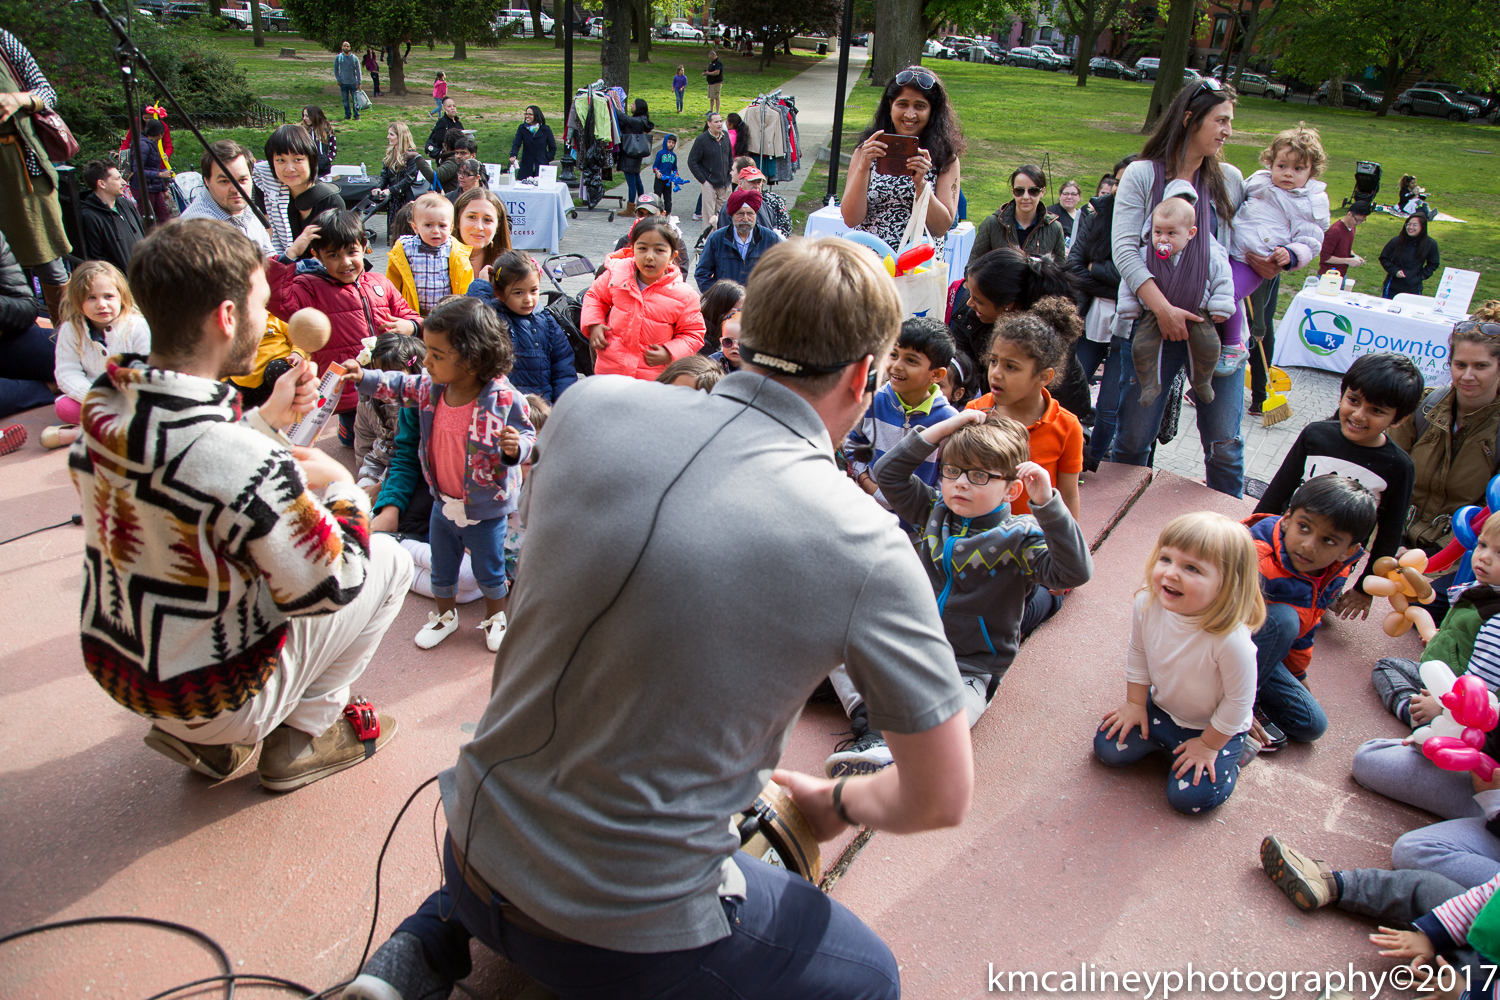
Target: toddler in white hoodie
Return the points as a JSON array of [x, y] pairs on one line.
[[1284, 216]]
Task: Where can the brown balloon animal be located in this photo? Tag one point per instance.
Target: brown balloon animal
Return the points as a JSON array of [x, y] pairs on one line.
[[1401, 581]]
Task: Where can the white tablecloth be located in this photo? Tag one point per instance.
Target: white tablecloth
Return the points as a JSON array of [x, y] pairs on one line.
[[1330, 331], [829, 221], [538, 214]]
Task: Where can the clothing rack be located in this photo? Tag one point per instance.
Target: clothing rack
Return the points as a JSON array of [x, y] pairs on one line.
[[774, 141], [593, 134]]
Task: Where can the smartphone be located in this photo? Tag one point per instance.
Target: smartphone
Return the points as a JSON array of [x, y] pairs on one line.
[[898, 149]]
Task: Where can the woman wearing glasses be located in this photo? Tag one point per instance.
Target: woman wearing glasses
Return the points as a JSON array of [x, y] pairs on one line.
[[1023, 222], [1187, 144], [914, 104]]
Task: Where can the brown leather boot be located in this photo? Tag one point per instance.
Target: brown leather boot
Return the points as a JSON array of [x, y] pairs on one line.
[[628, 210], [53, 296]]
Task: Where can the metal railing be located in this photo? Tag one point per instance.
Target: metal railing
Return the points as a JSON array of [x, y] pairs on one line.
[[256, 116]]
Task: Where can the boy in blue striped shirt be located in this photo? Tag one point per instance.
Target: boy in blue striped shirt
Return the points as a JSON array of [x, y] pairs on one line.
[[909, 398]]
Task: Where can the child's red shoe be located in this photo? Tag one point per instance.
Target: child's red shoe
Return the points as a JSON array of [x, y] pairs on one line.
[[12, 438]]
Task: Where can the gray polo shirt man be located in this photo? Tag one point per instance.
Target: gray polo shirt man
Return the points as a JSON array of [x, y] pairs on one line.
[[695, 565]]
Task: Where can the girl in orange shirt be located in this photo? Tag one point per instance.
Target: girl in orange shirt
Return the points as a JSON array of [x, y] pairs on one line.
[[1023, 357]]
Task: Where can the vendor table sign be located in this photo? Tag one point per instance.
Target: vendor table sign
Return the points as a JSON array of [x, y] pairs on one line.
[[1330, 331]]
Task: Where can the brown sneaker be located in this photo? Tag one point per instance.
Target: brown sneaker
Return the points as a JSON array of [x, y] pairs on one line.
[[1307, 883], [339, 748], [218, 761]]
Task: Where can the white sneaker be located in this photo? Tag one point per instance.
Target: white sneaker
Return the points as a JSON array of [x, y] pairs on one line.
[[494, 630], [437, 628]]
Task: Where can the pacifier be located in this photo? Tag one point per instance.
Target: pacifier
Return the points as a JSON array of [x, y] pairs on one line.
[[1163, 251]]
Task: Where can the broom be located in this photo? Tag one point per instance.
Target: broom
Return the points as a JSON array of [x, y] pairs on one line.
[[1276, 408]]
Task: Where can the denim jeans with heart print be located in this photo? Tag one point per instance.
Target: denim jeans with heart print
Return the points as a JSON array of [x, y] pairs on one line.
[[1182, 794]]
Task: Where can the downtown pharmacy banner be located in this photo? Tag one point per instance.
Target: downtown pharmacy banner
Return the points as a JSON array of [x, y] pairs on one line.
[[1330, 331]]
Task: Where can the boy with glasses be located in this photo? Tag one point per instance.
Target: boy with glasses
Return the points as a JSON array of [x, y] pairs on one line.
[[981, 558]]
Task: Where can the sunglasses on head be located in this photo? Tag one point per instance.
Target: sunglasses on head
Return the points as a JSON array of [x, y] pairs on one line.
[[1476, 326], [1210, 84], [923, 79], [1021, 191]]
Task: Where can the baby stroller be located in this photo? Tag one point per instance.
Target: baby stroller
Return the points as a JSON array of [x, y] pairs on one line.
[[568, 309], [1366, 183]]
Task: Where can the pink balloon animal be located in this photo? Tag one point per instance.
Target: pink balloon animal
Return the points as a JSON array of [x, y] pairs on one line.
[[1469, 704]]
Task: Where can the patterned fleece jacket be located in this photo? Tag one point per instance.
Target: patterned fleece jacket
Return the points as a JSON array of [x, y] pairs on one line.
[[492, 482], [201, 539], [982, 567], [886, 422]]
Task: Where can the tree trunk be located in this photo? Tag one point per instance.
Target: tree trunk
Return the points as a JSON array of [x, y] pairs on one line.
[[257, 24], [1252, 28], [395, 68], [558, 28], [460, 49], [641, 9], [1174, 52], [614, 45], [1336, 90], [536, 19], [214, 7], [1392, 71], [898, 43], [1088, 38]]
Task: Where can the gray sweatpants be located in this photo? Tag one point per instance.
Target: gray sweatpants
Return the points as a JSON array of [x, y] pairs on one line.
[[1396, 898]]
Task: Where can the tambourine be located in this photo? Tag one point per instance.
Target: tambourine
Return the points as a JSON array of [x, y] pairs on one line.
[[775, 831]]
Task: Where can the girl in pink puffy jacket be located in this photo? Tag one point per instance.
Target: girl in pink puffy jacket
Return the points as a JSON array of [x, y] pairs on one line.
[[639, 313]]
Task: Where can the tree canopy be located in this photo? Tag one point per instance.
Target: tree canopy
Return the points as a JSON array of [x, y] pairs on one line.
[[771, 22]]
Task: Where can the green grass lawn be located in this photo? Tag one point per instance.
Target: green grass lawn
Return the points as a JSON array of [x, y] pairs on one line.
[[493, 86], [1013, 116]]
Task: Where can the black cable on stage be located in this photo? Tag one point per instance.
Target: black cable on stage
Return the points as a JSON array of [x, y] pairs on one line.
[[75, 519], [380, 862], [249, 978], [223, 955]]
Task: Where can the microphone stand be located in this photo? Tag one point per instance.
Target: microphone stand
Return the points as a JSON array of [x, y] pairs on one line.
[[129, 54]]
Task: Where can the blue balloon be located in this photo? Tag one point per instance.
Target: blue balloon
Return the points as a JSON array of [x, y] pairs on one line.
[[881, 247], [1465, 573], [1492, 494], [1462, 529]]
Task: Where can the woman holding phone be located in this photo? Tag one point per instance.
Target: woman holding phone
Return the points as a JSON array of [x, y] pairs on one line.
[[878, 197]]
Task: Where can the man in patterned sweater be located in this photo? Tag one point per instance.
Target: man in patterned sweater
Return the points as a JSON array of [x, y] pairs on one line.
[[222, 599]]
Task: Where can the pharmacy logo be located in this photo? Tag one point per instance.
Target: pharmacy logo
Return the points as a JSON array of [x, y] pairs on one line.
[[1324, 336]]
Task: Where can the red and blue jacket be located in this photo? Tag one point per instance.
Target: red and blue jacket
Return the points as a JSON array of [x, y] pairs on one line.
[[1280, 584]]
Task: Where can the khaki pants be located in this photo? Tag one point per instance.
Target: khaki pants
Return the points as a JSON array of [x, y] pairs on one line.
[[714, 201], [323, 655]]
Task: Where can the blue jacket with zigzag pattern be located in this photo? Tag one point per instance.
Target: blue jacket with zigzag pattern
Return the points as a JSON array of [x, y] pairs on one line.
[[982, 568]]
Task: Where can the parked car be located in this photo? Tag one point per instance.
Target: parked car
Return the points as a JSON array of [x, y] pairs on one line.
[[1254, 83], [860, 40], [1420, 101], [935, 49], [1453, 90], [1102, 66], [1147, 67], [521, 18], [242, 14], [682, 31], [180, 12], [1030, 57], [596, 24], [156, 7], [1355, 96]]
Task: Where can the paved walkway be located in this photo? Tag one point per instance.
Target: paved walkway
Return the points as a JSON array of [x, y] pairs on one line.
[[1314, 396]]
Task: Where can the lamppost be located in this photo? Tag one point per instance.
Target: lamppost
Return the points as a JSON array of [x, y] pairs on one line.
[[845, 31]]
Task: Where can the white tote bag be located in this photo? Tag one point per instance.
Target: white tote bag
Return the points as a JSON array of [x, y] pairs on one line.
[[924, 294]]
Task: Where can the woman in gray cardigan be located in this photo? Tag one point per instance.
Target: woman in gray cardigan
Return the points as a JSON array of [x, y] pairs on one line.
[[1188, 142]]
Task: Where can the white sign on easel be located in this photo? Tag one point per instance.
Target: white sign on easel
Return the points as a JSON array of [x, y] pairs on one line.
[[1455, 291]]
